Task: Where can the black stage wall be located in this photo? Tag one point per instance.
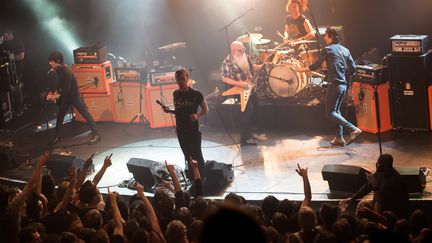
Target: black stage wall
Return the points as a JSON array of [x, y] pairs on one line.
[[134, 29]]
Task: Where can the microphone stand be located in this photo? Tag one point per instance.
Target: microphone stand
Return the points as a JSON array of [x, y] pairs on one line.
[[229, 24], [317, 33]]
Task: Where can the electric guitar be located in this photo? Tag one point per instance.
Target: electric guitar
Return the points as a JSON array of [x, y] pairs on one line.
[[244, 93]]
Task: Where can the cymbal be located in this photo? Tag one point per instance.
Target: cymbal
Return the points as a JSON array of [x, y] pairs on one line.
[[172, 46], [252, 37], [302, 42], [261, 41]]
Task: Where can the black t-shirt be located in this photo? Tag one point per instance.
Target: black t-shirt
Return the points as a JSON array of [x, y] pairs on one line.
[[63, 81], [296, 27], [186, 103]]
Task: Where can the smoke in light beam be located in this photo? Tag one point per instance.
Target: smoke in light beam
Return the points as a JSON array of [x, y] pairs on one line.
[[48, 15]]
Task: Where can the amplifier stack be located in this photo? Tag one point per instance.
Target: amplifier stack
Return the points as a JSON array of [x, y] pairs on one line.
[[94, 75]]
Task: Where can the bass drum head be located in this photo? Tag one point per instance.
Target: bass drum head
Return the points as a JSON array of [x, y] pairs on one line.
[[284, 81]]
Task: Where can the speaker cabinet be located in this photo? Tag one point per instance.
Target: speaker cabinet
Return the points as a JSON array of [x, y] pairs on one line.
[[59, 165], [409, 81], [140, 168], [125, 101], [156, 116], [93, 78], [365, 106], [218, 176], [344, 178], [99, 106], [414, 177]]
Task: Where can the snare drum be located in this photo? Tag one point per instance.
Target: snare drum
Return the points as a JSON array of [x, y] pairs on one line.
[[284, 81], [265, 55]]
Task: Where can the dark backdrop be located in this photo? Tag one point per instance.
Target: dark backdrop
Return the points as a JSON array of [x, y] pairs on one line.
[[134, 29]]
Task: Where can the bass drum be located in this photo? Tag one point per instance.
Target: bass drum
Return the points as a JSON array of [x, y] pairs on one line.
[[284, 81]]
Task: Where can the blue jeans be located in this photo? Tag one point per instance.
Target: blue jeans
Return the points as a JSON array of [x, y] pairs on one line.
[[334, 97]]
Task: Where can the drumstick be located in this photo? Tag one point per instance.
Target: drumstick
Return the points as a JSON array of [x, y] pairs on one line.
[[280, 34], [318, 74]]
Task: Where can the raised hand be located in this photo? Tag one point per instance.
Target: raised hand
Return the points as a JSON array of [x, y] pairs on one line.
[[112, 196], [72, 172], [43, 158], [139, 187], [302, 171], [170, 168], [343, 204], [107, 161], [89, 161], [193, 163]]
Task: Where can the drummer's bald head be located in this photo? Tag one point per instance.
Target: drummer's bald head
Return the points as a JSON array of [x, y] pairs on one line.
[[237, 46]]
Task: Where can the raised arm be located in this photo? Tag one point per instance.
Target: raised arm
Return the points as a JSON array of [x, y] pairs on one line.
[[193, 165], [150, 213], [83, 172], [68, 195], [174, 178], [118, 221], [306, 185], [107, 163]]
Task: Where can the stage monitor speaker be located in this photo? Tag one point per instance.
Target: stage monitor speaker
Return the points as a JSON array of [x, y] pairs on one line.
[[20, 176], [99, 106], [415, 177], [218, 176], [344, 178], [140, 168], [409, 79], [59, 165], [93, 78], [156, 116], [365, 106], [125, 101]]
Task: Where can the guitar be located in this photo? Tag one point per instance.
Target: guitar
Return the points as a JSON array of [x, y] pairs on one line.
[[53, 96], [244, 92]]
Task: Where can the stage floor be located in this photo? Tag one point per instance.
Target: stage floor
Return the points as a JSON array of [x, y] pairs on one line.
[[266, 169]]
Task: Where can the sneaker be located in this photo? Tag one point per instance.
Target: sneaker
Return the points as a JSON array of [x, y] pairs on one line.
[[353, 135], [338, 142], [249, 141], [94, 139], [56, 139]]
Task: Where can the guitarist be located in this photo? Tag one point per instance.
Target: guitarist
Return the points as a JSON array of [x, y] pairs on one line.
[[65, 93], [340, 68], [186, 103], [237, 70]]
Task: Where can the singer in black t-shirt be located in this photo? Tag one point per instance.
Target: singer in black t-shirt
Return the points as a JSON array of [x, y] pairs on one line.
[[186, 102]]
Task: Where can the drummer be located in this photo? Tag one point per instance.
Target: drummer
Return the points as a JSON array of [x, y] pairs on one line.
[[297, 26]]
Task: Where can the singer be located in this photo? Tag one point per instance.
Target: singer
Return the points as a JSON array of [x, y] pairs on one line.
[[64, 92], [186, 102]]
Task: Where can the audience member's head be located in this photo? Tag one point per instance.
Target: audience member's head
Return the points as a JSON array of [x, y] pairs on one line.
[[286, 207], [140, 236], [233, 199], [384, 163], [307, 219], [269, 207], [29, 235], [342, 231], [92, 219], [184, 215], [231, 225], [328, 214], [417, 221], [199, 207], [176, 232], [280, 223], [89, 193]]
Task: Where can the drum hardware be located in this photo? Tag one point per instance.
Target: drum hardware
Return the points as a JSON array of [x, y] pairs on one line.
[[172, 46], [302, 42], [261, 42], [250, 37]]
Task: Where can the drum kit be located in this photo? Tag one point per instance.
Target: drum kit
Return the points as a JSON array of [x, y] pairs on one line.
[[281, 80]]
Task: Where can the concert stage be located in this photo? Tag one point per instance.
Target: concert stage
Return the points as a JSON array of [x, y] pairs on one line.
[[266, 169]]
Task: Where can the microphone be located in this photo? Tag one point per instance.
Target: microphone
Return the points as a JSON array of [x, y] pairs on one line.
[[190, 71]]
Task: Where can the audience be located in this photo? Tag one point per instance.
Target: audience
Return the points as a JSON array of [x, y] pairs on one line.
[[76, 211]]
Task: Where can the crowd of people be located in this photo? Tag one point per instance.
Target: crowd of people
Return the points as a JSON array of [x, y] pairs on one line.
[[76, 211]]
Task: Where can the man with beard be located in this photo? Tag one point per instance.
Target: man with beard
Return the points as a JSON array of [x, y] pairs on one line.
[[237, 70]]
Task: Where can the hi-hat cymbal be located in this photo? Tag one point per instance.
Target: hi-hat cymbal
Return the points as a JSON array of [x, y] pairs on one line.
[[261, 42], [252, 37]]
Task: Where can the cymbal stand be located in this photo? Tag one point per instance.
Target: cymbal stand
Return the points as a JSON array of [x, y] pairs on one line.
[[225, 28], [139, 115]]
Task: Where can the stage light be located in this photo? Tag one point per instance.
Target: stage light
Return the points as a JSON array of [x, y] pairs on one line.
[[49, 16]]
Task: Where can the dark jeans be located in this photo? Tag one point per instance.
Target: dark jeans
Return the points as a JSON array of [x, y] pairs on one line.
[[78, 103], [247, 118], [18, 99], [190, 144], [334, 97]]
